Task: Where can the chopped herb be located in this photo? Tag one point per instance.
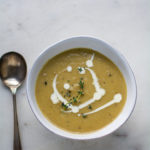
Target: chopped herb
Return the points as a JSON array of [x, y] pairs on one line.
[[64, 106], [68, 93], [89, 107], [80, 92], [68, 80], [81, 83], [109, 74], [74, 100], [80, 69], [70, 102], [45, 82], [83, 115]]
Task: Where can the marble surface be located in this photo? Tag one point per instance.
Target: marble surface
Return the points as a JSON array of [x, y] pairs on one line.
[[28, 26]]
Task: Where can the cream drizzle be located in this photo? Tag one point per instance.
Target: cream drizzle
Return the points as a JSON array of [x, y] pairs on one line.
[[99, 91], [56, 96], [96, 96], [69, 68], [117, 98], [89, 63], [66, 86], [74, 109]]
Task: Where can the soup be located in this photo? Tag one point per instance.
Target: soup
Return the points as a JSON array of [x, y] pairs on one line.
[[80, 90]]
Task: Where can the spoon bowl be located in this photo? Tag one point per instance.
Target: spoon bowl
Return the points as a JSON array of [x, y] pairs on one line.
[[13, 69]]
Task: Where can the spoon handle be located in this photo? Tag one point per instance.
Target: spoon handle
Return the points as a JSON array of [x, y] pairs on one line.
[[17, 143]]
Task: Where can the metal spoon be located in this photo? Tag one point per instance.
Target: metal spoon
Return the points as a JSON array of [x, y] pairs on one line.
[[13, 72]]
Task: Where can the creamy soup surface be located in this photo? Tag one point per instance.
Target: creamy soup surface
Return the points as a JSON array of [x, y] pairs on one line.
[[80, 90]]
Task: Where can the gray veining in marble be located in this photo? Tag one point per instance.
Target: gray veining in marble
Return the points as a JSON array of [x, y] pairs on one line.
[[28, 26]]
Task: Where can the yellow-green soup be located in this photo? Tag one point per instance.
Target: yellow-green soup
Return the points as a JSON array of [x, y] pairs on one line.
[[88, 81]]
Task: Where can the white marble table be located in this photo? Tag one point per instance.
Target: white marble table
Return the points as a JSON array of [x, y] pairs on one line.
[[28, 26]]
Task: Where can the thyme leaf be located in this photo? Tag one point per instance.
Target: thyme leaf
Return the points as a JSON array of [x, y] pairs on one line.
[[89, 107], [81, 83], [80, 69], [84, 115]]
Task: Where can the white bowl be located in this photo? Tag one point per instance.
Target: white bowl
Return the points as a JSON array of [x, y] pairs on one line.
[[99, 46]]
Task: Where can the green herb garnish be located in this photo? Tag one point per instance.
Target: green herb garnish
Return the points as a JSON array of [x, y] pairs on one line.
[[83, 115], [45, 82], [70, 102], [65, 107], [80, 69], [74, 100], [80, 92], [81, 83], [89, 107], [68, 93]]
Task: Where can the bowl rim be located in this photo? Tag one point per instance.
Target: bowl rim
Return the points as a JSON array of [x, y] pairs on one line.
[[88, 137]]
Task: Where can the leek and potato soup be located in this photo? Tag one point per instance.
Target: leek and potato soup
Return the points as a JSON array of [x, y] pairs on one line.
[[80, 90]]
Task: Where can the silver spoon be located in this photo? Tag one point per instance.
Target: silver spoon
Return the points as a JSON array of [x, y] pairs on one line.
[[13, 70]]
